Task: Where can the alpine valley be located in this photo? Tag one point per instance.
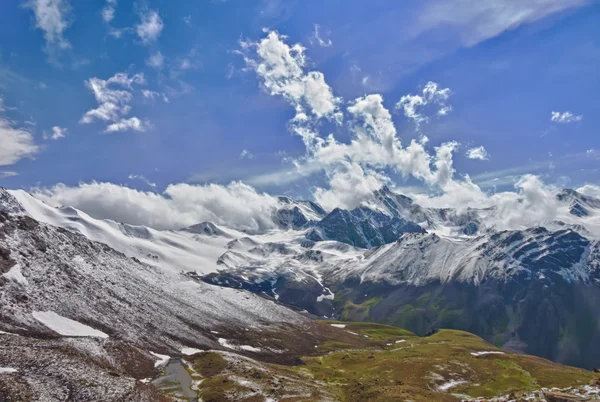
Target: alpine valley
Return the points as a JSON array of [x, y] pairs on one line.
[[387, 301]]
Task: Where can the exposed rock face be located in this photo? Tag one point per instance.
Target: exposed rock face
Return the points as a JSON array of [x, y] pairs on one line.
[[362, 227]]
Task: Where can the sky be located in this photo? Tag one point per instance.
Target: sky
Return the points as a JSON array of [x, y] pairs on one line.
[[192, 110]]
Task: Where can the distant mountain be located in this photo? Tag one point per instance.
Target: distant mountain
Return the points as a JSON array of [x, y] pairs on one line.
[[292, 214], [497, 284]]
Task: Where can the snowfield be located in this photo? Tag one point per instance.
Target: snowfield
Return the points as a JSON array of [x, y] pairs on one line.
[[65, 326]]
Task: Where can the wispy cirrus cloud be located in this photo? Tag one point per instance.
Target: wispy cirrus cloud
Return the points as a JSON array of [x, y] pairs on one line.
[[53, 17], [317, 37], [108, 12]]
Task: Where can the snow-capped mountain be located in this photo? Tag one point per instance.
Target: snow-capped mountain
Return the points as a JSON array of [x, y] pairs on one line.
[[73, 307], [388, 260]]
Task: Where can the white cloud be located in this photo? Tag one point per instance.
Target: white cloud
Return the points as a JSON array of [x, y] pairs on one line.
[[150, 26], [235, 205], [373, 147], [188, 20], [475, 22], [6, 174], [591, 190], [431, 95], [153, 95], [478, 153], [108, 12], [113, 103], [317, 37], [132, 123], [246, 154], [52, 17], [565, 117], [57, 133], [281, 69], [142, 178], [349, 185], [15, 143], [157, 60]]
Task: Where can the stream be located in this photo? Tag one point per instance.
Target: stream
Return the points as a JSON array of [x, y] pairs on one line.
[[176, 381]]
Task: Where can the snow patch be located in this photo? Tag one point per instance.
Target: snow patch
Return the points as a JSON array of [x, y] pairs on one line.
[[65, 326], [339, 325], [226, 344], [7, 370], [162, 359], [16, 275], [476, 354], [190, 351], [400, 341], [450, 384]]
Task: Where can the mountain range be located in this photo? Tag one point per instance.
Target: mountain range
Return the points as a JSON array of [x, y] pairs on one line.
[[531, 290]]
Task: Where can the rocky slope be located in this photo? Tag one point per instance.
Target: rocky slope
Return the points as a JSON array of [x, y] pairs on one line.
[[75, 311]]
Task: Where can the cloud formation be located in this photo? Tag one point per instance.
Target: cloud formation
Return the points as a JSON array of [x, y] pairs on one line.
[[57, 133], [236, 205], [432, 95], [15, 143], [478, 153], [246, 154], [52, 17], [113, 97], [317, 37], [374, 147], [157, 60], [281, 70], [565, 117], [150, 26], [485, 19], [108, 12]]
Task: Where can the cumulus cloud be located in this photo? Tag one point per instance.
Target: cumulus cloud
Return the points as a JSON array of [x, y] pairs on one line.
[[354, 166], [236, 205], [57, 133], [373, 146], [316, 37], [113, 97], [565, 117], [52, 17], [150, 26], [478, 153], [15, 143], [349, 186], [281, 69], [432, 95], [590, 190]]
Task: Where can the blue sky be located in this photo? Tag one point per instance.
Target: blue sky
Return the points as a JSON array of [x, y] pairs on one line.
[[193, 106]]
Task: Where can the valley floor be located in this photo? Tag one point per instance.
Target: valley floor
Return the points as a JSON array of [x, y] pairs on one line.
[[372, 362]]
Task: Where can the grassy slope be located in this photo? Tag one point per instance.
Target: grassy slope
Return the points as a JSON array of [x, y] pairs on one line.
[[363, 362]]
